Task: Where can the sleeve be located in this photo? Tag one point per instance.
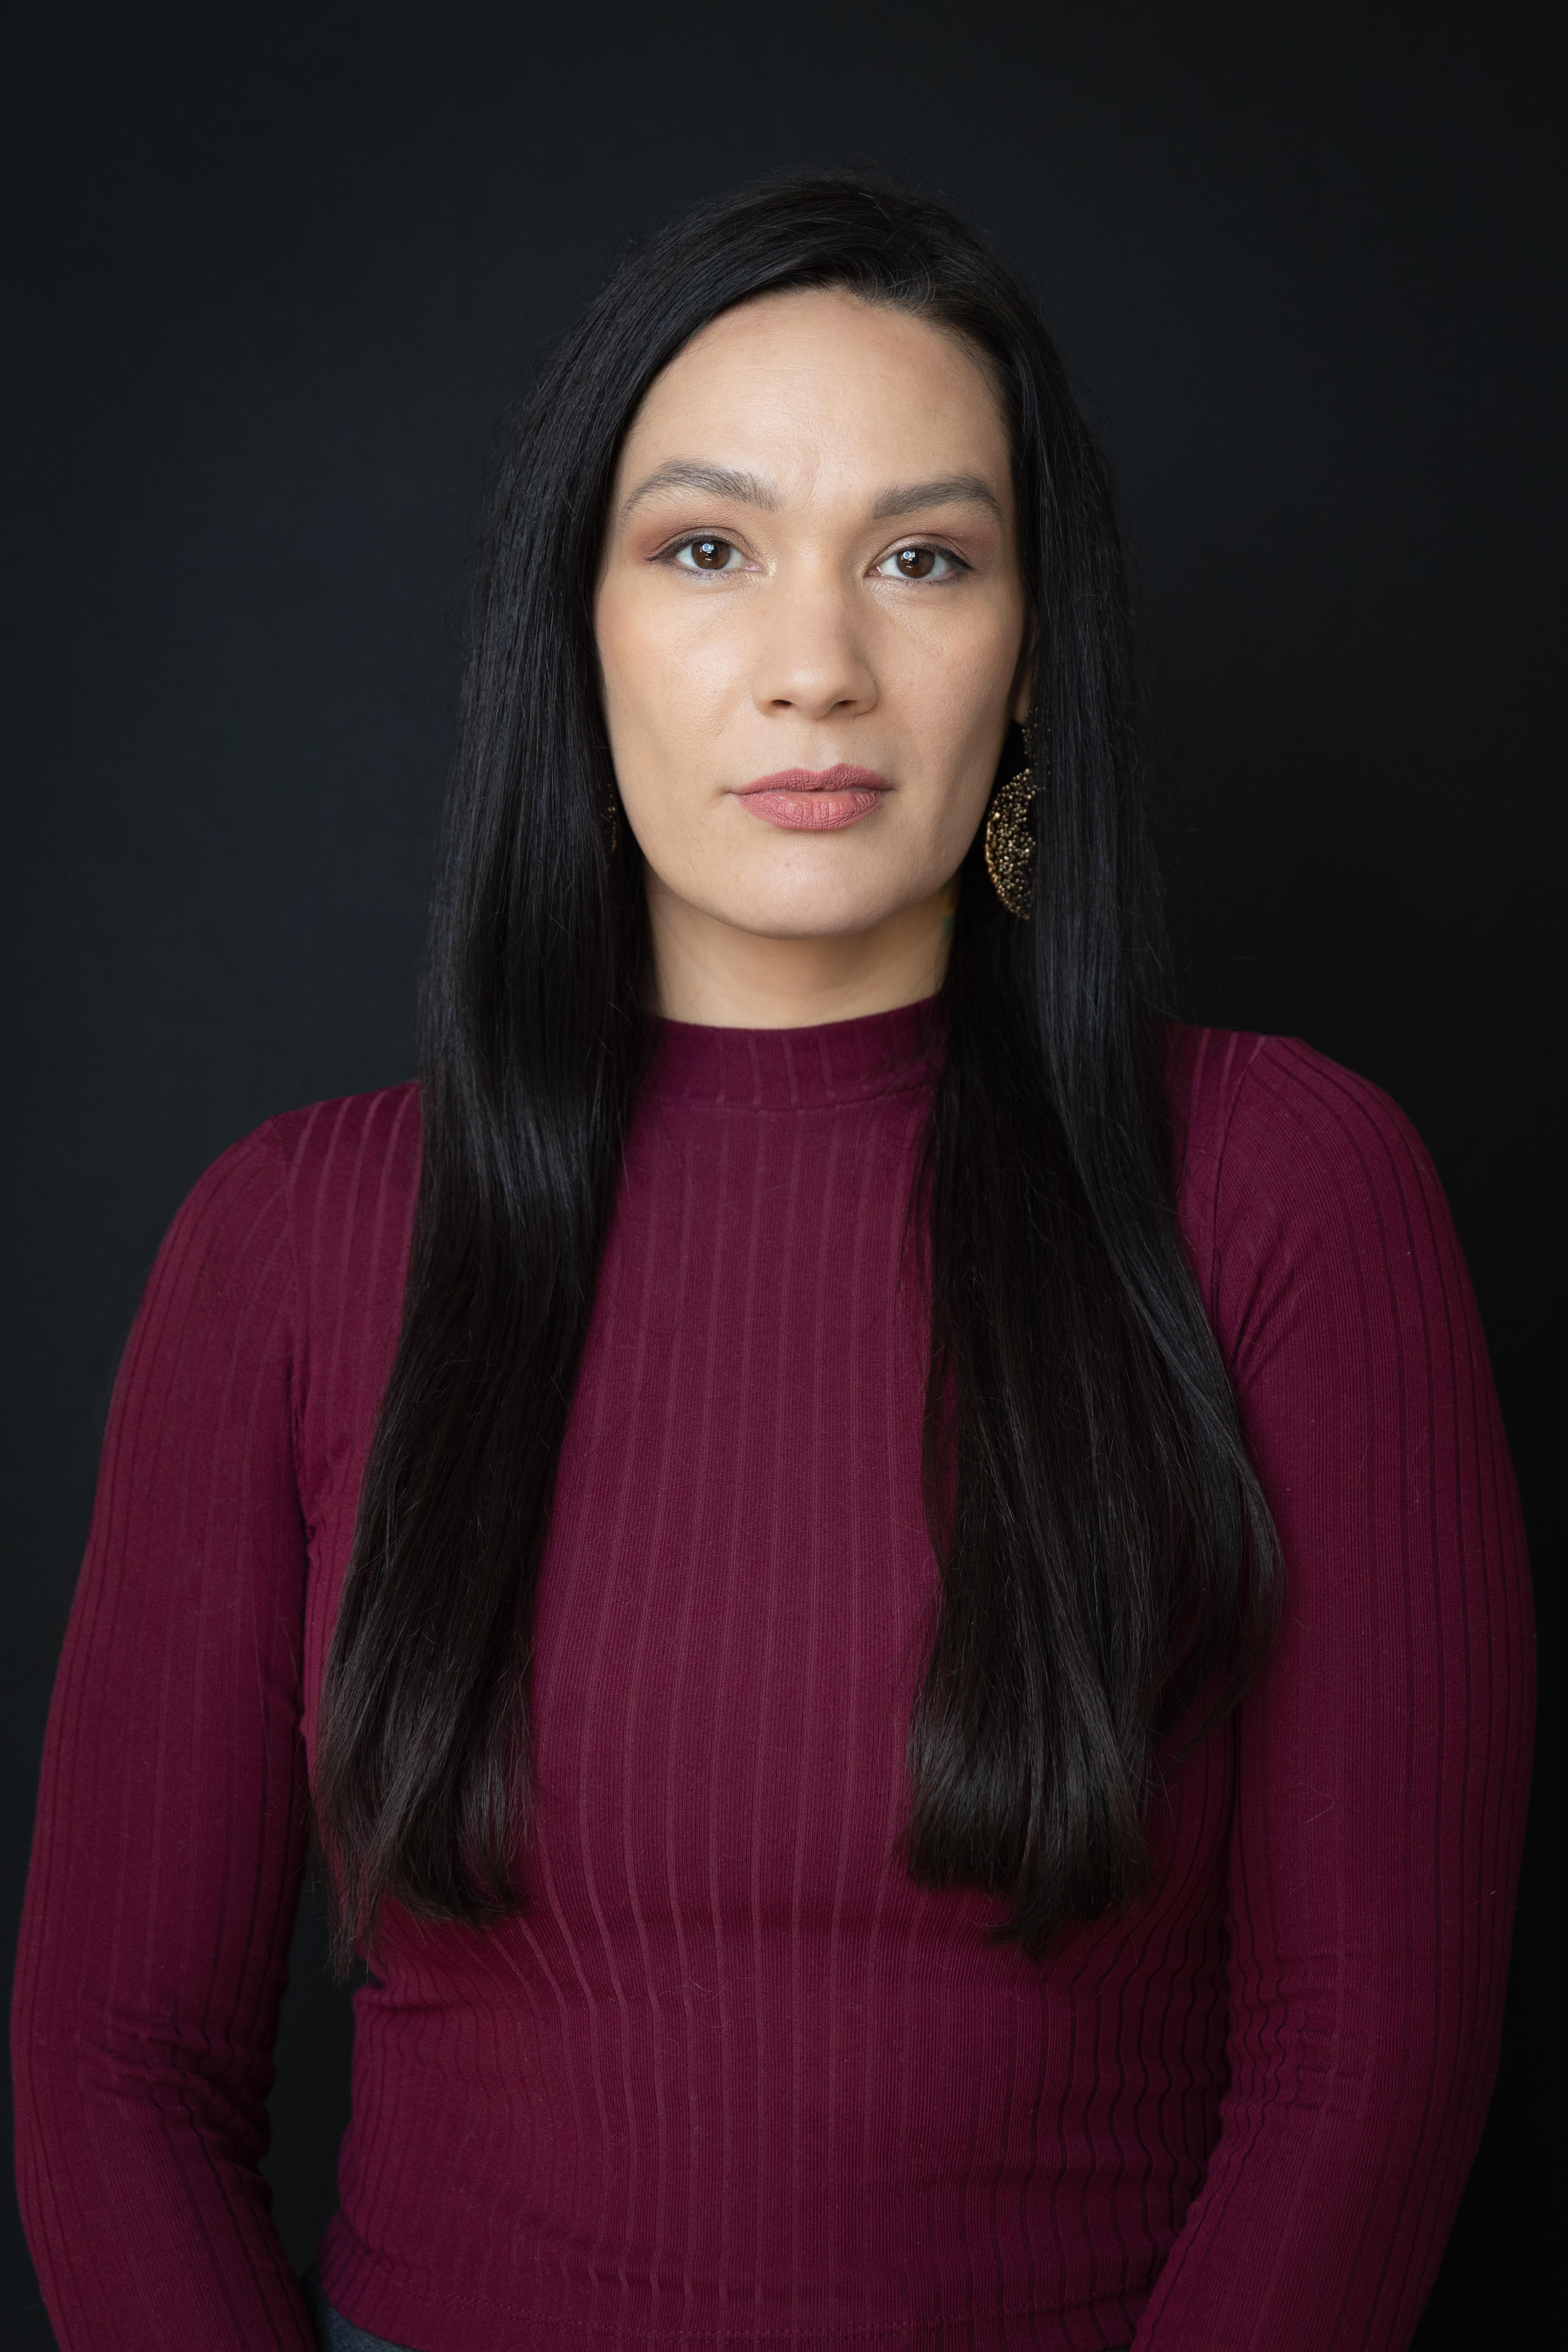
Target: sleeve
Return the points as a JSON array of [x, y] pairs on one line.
[[171, 1820], [1382, 1757]]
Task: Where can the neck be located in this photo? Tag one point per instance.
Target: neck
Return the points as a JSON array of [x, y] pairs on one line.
[[708, 972]]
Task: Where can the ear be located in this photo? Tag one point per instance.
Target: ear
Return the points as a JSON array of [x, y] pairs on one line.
[[1023, 677]]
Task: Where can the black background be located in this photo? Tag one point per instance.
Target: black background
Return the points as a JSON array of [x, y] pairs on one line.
[[280, 272]]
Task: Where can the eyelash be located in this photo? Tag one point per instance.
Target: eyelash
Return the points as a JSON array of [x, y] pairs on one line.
[[921, 546], [693, 539]]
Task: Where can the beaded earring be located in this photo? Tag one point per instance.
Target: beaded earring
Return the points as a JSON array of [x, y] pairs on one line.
[[1009, 844]]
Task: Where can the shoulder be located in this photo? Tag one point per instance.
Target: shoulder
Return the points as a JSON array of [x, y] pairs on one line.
[[1283, 1112], [1293, 1170], [355, 1156], [328, 1185]]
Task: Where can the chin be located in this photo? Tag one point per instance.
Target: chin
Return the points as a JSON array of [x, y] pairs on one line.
[[818, 912]]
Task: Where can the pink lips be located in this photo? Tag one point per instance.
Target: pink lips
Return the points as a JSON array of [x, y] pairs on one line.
[[814, 800]]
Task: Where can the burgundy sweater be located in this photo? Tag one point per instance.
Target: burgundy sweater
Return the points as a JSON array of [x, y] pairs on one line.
[[734, 2079]]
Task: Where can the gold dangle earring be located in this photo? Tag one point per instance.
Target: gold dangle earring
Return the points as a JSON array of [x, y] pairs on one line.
[[1009, 844]]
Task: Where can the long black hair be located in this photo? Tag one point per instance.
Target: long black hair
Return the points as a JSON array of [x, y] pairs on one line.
[[1106, 1558]]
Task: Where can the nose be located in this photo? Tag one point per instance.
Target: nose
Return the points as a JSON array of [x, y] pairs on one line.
[[813, 659]]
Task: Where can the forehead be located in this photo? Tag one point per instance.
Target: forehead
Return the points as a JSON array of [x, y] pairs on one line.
[[818, 386]]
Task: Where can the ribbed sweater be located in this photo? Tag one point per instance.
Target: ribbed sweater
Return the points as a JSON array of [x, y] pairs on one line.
[[734, 2079]]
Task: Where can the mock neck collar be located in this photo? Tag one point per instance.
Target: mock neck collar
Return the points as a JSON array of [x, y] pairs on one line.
[[797, 1069]]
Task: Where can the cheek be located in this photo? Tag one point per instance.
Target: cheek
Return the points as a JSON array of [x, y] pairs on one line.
[[623, 659], [664, 677], [960, 652], [957, 689]]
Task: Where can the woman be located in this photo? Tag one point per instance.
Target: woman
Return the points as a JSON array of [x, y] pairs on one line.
[[894, 1587]]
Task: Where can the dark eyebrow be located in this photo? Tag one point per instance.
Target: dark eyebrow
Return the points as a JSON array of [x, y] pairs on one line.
[[718, 481], [947, 491]]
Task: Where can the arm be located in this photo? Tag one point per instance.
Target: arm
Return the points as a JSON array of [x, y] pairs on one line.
[[1382, 1759], [170, 1830]]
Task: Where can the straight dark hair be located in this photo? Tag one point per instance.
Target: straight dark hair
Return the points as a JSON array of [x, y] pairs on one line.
[[1106, 1562]]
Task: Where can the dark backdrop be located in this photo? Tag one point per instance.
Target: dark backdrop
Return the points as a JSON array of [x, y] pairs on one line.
[[280, 271]]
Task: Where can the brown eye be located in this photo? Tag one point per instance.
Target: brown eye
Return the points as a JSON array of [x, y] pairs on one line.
[[921, 563], [707, 552]]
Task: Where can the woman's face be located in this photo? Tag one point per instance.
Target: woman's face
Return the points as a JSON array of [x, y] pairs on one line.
[[810, 619]]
